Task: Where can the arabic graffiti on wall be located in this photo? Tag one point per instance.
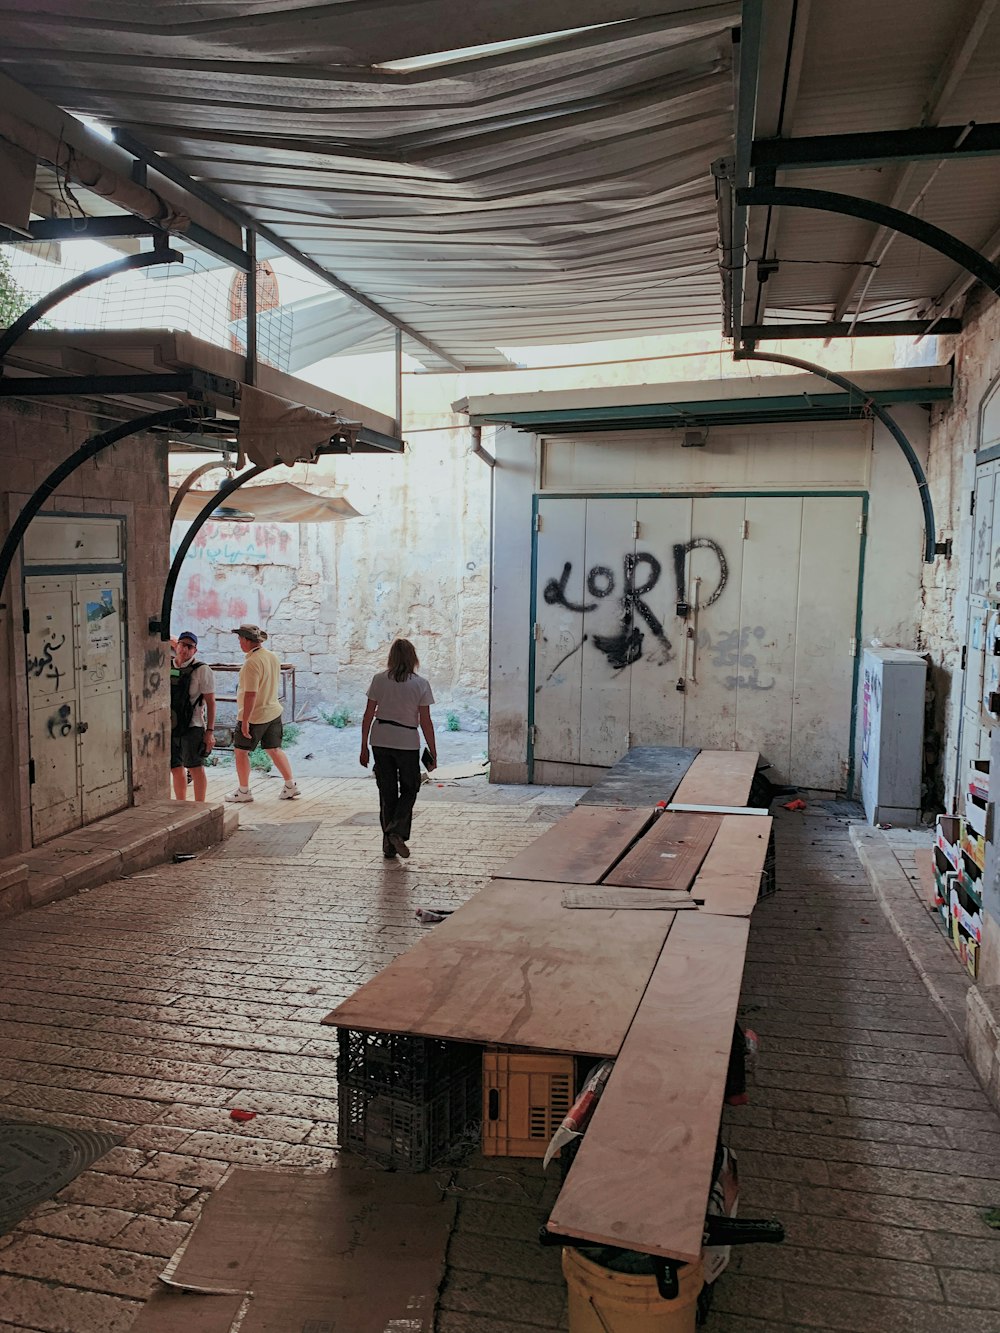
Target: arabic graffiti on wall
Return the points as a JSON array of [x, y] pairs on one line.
[[246, 544], [44, 665]]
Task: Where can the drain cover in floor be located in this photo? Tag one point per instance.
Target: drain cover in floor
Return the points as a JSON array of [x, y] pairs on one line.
[[269, 840], [36, 1161]]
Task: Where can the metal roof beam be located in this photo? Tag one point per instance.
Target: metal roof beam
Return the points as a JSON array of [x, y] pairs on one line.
[[885, 328], [243, 219], [931, 143]]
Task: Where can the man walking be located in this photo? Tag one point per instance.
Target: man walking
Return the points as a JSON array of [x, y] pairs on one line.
[[258, 715], [192, 718]]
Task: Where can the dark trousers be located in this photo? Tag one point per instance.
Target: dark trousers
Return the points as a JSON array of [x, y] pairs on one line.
[[397, 773]]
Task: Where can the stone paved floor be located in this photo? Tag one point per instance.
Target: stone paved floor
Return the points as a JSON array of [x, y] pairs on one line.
[[151, 1006]]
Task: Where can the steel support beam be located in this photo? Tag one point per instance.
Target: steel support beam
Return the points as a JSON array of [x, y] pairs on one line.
[[78, 284], [929, 143], [116, 227], [88, 450], [887, 420], [182, 381], [243, 219], [873, 328], [827, 201]]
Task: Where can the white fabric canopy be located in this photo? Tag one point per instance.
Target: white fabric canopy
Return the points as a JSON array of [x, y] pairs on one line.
[[281, 502], [276, 430]]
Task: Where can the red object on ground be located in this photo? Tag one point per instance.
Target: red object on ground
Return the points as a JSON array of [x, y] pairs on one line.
[[794, 805], [661, 805], [241, 1116]]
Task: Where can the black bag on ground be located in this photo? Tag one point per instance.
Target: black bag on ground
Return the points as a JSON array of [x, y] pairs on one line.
[[182, 706]]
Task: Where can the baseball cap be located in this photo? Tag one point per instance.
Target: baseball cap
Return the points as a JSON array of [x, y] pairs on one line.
[[191, 638], [252, 632]]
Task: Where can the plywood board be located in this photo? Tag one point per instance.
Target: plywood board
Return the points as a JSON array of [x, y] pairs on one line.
[[581, 847], [514, 967], [669, 855], [729, 880], [718, 777], [354, 1249], [646, 775], [642, 1175]]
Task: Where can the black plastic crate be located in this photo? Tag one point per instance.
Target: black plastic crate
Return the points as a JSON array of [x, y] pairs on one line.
[[405, 1134], [412, 1068]]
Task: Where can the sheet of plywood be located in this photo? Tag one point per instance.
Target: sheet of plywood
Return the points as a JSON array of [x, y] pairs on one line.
[[669, 855], [514, 967], [729, 880], [718, 777], [581, 847], [646, 775], [642, 1175], [647, 900]]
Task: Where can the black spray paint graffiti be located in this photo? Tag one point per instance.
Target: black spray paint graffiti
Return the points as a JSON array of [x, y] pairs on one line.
[[152, 672], [625, 647], [45, 664], [731, 650], [59, 722]]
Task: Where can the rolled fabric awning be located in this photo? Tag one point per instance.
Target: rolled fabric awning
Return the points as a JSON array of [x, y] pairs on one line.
[[276, 430], [281, 502]]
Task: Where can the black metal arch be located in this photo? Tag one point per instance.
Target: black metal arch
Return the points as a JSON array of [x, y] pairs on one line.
[[828, 201], [42, 306], [887, 420], [89, 449], [162, 626]]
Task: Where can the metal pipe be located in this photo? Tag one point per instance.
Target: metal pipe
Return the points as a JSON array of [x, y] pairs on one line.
[[42, 306], [250, 374], [477, 448], [88, 450], [162, 626], [187, 483], [923, 486]]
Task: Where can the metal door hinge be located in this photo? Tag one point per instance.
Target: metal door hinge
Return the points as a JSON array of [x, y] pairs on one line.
[[31, 772], [533, 736], [972, 503], [965, 654], [27, 620], [862, 524], [852, 650], [745, 531], [536, 631], [635, 528], [538, 522]]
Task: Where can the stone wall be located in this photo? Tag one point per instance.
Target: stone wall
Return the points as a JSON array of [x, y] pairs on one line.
[[951, 473], [127, 479], [333, 596]]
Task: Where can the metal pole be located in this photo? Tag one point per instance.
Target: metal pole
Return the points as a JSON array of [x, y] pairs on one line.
[[162, 626], [41, 307], [251, 304], [923, 486], [89, 449], [398, 340]]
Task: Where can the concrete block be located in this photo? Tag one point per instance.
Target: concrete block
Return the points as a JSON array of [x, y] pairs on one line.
[[982, 1037], [46, 887], [144, 850], [230, 820], [14, 893]]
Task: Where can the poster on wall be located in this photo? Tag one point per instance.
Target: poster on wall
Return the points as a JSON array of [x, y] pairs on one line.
[[102, 622]]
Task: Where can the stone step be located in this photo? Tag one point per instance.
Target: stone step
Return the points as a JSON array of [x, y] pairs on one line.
[[120, 844]]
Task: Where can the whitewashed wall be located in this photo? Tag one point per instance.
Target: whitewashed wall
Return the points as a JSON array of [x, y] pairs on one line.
[[821, 457]]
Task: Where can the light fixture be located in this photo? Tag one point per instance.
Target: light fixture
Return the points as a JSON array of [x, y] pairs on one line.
[[230, 514], [694, 439]]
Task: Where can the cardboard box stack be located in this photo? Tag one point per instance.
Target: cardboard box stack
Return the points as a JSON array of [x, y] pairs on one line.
[[959, 860]]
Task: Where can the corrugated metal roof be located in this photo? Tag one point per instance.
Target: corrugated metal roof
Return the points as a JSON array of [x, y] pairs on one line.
[[543, 193]]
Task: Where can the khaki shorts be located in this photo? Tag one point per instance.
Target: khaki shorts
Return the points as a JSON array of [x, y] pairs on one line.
[[265, 734]]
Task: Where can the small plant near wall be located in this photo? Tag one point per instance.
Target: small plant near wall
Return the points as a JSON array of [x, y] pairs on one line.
[[261, 761], [338, 717], [452, 722], [290, 733]]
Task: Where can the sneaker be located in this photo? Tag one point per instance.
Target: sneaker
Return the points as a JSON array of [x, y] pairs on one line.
[[289, 792], [399, 845], [240, 797]]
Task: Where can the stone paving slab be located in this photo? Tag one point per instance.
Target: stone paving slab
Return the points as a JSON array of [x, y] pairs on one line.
[[152, 1006]]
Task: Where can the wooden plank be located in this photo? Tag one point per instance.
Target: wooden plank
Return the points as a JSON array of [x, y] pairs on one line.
[[580, 848], [644, 1170], [646, 775], [729, 880], [513, 967], [718, 777], [669, 855], [647, 900]]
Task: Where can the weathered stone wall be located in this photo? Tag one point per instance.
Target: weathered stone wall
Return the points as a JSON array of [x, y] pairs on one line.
[[951, 473], [127, 479], [333, 596]]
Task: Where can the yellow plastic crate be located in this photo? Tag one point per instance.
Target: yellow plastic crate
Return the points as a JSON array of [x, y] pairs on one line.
[[525, 1098]]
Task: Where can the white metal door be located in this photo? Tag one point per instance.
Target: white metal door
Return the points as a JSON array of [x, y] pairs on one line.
[[615, 628], [76, 700], [53, 708], [558, 630]]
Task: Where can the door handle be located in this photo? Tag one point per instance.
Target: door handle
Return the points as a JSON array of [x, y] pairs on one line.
[[82, 727]]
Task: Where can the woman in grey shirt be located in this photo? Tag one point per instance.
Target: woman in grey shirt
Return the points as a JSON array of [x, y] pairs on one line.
[[398, 703]]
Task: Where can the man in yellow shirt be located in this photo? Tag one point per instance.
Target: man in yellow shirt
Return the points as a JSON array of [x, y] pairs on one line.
[[258, 715]]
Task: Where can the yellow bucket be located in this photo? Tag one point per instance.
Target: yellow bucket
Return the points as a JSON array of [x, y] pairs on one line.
[[602, 1301]]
